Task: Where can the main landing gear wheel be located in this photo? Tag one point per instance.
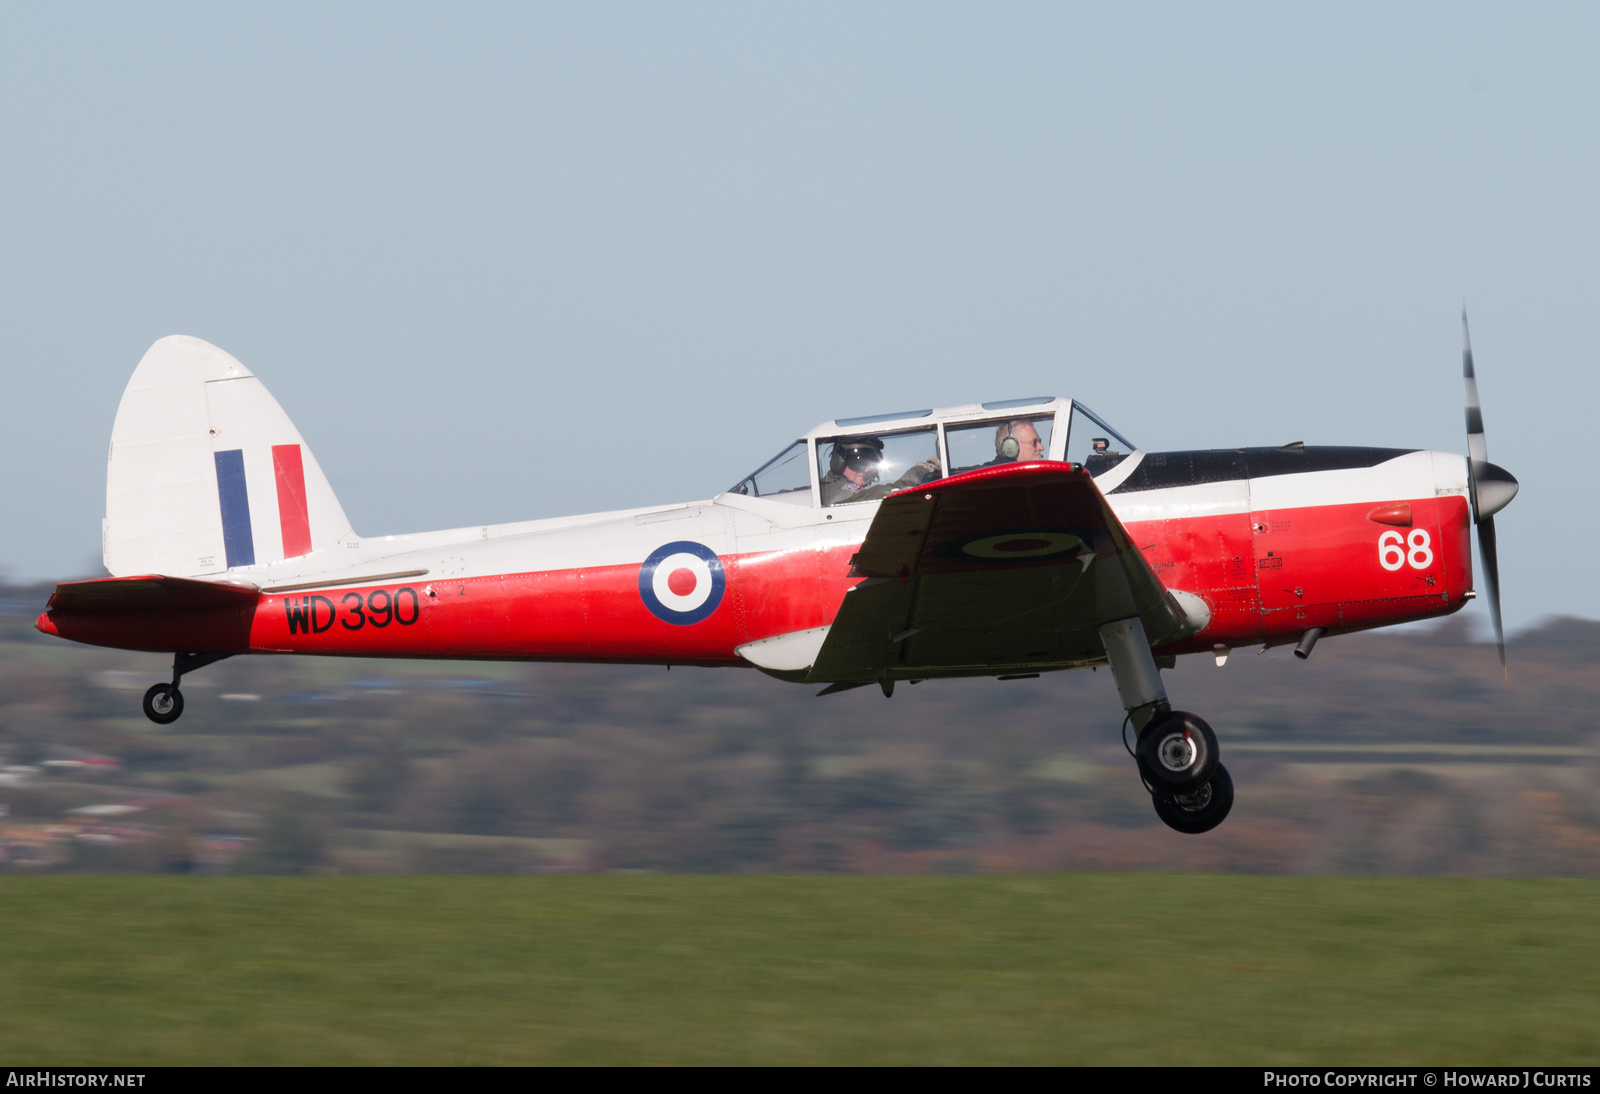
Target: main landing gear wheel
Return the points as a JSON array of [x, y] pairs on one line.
[[163, 704], [1198, 810], [1177, 752]]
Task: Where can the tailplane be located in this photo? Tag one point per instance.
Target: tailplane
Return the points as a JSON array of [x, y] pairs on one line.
[[206, 472]]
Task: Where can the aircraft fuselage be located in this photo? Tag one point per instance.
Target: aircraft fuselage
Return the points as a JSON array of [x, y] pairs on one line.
[[1272, 541]]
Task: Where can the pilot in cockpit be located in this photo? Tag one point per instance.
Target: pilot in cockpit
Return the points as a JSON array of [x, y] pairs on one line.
[[1015, 441], [853, 467]]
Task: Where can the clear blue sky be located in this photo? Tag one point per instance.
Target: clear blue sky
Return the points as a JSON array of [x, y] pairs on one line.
[[502, 262]]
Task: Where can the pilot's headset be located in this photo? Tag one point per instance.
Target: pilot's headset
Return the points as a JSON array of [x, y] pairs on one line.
[[856, 450], [1005, 445]]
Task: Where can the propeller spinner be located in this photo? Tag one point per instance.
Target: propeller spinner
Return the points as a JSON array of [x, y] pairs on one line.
[[1490, 489]]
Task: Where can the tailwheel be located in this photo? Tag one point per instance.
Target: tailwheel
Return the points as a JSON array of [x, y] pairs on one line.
[[1177, 752], [1198, 810], [163, 704]]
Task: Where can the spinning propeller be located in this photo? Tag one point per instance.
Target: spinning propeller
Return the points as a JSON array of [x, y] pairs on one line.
[[1489, 488]]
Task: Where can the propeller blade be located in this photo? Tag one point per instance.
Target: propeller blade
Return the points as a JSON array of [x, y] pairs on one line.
[[1498, 488], [1477, 445], [1491, 585]]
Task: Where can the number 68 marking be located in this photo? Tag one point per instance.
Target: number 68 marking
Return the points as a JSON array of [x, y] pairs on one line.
[[1392, 553]]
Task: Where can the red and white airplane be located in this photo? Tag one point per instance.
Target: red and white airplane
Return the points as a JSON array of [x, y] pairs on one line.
[[998, 539]]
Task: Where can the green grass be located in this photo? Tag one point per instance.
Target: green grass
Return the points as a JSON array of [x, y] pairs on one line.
[[684, 969]]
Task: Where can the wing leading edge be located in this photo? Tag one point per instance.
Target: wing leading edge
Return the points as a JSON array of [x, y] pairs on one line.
[[1004, 569]]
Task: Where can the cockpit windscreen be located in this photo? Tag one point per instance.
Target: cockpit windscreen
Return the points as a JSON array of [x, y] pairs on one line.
[[785, 477], [1094, 444]]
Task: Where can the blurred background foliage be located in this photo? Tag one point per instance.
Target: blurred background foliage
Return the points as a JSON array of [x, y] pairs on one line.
[[1399, 752]]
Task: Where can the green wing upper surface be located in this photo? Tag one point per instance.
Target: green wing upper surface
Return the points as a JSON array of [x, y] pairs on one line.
[[1000, 570]]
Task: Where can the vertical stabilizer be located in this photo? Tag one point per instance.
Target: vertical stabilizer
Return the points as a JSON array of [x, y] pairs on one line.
[[206, 472]]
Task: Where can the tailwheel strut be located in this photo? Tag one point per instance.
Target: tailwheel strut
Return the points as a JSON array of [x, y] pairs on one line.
[[163, 703]]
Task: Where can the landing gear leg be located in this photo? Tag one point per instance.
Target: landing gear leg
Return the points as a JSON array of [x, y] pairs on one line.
[[1139, 684], [163, 703], [1176, 751]]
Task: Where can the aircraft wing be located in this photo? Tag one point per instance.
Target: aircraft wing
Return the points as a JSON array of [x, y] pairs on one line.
[[999, 570]]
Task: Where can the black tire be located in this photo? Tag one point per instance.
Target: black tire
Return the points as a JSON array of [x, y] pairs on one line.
[[1177, 752], [1199, 810], [163, 704]]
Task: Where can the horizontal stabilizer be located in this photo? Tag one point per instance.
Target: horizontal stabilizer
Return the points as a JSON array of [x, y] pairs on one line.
[[153, 612]]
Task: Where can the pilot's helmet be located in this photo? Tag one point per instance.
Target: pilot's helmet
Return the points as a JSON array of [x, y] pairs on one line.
[[858, 453]]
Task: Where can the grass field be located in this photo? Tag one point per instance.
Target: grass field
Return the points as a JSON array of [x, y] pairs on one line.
[[807, 969]]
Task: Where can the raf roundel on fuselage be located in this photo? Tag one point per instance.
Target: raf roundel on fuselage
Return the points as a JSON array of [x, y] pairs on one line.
[[682, 582]]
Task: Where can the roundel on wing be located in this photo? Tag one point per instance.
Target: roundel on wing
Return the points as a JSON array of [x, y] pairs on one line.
[[682, 582], [1019, 545]]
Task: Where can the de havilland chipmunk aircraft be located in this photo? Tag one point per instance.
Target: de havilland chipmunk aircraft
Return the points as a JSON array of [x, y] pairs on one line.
[[1000, 539]]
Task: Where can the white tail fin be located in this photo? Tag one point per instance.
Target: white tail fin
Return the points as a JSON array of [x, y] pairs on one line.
[[207, 473]]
